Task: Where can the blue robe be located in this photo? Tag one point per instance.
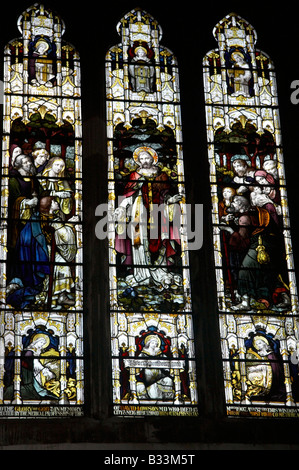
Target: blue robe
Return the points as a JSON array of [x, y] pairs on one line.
[[32, 265]]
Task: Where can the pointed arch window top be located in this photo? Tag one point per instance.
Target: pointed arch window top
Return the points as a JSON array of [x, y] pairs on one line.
[[235, 31], [39, 21], [140, 25]]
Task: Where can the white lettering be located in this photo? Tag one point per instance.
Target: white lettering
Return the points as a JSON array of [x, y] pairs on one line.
[[115, 460], [295, 93]]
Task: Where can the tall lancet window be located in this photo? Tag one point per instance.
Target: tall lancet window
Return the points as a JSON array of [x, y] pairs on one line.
[[152, 344], [41, 363], [257, 297]]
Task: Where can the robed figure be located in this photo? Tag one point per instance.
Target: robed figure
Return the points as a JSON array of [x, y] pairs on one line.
[[150, 256]]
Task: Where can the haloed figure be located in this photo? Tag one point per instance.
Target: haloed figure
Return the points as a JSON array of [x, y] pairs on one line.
[[156, 384], [55, 184]]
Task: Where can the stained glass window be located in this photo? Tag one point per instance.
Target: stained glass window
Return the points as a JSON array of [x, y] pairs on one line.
[[41, 336], [256, 285], [152, 342]]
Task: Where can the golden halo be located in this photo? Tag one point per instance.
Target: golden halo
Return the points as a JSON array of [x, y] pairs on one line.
[[149, 337], [42, 41], [140, 47], [41, 335], [149, 150]]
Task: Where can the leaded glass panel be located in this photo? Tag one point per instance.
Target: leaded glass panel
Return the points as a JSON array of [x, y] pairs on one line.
[[153, 357], [256, 285]]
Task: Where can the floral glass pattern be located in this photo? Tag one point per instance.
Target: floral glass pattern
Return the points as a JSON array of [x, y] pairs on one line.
[[153, 358], [41, 223], [256, 285]]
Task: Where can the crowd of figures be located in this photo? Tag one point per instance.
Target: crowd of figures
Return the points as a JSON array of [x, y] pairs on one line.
[[42, 228], [253, 252], [255, 274]]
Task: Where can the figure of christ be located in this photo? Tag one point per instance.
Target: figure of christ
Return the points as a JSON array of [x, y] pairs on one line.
[[148, 186]]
